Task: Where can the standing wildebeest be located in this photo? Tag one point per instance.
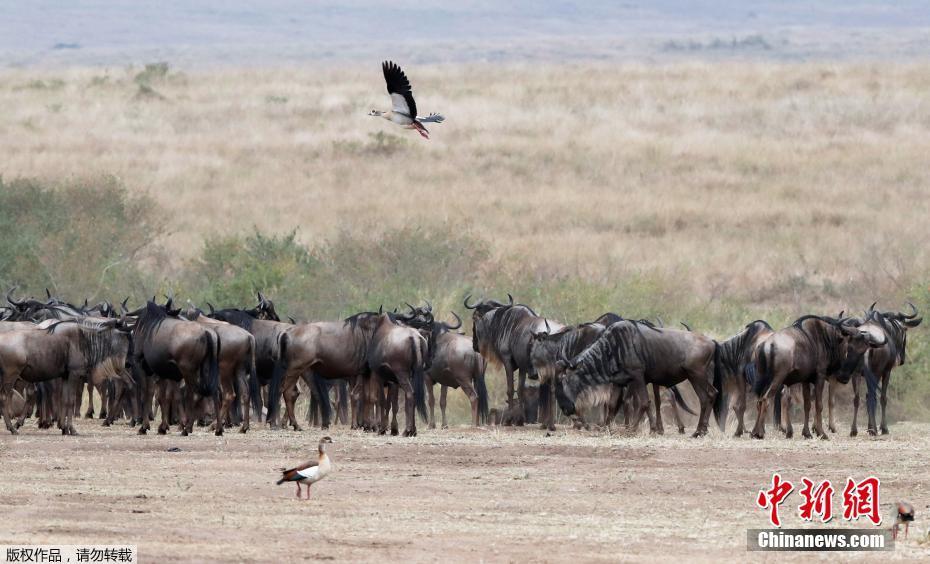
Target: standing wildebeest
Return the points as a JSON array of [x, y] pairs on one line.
[[632, 353], [265, 326], [806, 353], [502, 333], [66, 350], [330, 350], [545, 350], [734, 370], [397, 359], [176, 352], [237, 376], [880, 361], [454, 363]]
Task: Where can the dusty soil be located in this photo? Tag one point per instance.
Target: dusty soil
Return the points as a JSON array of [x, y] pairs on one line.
[[451, 495]]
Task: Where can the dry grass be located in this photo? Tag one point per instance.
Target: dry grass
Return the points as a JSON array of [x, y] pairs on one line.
[[748, 180]]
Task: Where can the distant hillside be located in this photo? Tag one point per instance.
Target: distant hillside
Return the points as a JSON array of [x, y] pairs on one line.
[[238, 32]]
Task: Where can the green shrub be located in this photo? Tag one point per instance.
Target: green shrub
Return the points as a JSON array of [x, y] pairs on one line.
[[80, 239]]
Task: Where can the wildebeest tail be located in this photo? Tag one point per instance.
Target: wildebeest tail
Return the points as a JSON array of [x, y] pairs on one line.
[[763, 376], [419, 379], [277, 375], [721, 400], [210, 369], [481, 388], [681, 401], [321, 388], [255, 391]]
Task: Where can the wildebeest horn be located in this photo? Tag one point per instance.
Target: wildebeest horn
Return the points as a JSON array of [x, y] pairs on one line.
[[685, 325], [169, 302], [429, 306], [261, 298], [468, 297], [413, 310], [458, 319], [872, 307], [659, 321], [509, 297], [913, 322], [48, 294], [380, 309], [548, 330], [212, 311], [123, 305], [293, 321], [9, 298], [912, 315]]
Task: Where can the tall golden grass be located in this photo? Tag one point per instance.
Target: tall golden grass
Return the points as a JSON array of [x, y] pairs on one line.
[[753, 180]]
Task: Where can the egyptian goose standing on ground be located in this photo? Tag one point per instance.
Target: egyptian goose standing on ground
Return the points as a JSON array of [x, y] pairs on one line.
[[404, 110], [904, 514], [311, 472]]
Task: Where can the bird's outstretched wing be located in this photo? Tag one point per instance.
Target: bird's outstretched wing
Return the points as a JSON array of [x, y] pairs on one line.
[[399, 88]]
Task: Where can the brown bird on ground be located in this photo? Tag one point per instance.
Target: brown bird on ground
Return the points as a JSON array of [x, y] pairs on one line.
[[310, 472], [904, 514]]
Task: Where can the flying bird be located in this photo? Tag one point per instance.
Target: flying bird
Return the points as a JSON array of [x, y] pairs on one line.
[[310, 472], [904, 514], [404, 108]]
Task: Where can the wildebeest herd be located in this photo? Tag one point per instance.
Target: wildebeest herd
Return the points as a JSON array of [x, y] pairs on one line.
[[229, 366]]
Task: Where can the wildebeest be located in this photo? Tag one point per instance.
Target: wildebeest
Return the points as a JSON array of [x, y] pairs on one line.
[[734, 369], [880, 361], [502, 333], [807, 352], [630, 353], [263, 323], [545, 350], [329, 350], [454, 363], [237, 376], [175, 352], [66, 350], [397, 359]]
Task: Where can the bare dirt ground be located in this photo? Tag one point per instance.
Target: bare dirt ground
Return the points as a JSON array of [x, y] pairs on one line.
[[452, 495]]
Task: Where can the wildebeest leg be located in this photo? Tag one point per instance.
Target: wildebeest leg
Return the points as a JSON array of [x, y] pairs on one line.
[[706, 394], [886, 377], [409, 405], [831, 400], [521, 388], [549, 421], [676, 413], [787, 401], [6, 401], [854, 429], [818, 407], [245, 398], [508, 369], [472, 396], [639, 387], [806, 390], [163, 394], [227, 395], [89, 414], [657, 398], [356, 399], [431, 402], [290, 395], [739, 408], [104, 392]]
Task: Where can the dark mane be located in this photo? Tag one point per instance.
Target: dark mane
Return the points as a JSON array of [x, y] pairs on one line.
[[237, 317], [150, 320]]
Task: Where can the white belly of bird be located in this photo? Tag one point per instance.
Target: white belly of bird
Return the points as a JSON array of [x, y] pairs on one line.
[[400, 119], [316, 473]]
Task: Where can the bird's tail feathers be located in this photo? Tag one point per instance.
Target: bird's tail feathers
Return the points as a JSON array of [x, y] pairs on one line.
[[432, 118]]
